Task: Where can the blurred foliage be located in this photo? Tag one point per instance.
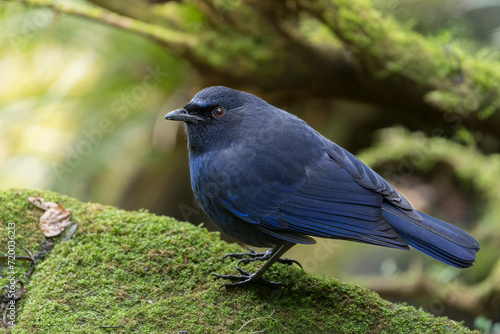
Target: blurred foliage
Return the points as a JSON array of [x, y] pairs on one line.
[[77, 111], [82, 106], [486, 325]]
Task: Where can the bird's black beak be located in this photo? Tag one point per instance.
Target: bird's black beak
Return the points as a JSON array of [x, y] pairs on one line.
[[182, 115]]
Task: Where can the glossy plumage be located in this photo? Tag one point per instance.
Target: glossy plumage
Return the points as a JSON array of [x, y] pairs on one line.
[[267, 178]]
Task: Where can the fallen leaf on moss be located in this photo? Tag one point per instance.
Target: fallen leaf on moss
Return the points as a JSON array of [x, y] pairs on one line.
[[55, 219], [41, 203]]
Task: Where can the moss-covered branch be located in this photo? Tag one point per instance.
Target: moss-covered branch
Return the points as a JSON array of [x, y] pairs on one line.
[[177, 42], [439, 74], [136, 271], [326, 48]]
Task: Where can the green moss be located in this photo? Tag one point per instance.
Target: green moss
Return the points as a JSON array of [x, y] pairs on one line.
[[152, 274], [432, 66]]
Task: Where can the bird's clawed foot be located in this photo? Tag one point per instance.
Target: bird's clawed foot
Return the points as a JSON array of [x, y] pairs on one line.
[[271, 256], [248, 278], [256, 256]]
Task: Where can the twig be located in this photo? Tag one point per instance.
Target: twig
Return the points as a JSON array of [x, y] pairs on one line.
[[93, 315], [33, 263], [27, 251], [22, 257], [249, 321], [74, 309], [312, 286], [88, 293], [138, 227]]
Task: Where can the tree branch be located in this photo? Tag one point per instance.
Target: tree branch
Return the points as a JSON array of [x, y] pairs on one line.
[[420, 67], [302, 49], [177, 42]]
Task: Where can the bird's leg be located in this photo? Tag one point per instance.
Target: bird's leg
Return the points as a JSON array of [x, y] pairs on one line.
[[248, 278], [256, 256]]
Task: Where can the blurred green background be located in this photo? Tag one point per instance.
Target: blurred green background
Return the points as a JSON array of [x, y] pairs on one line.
[[82, 106]]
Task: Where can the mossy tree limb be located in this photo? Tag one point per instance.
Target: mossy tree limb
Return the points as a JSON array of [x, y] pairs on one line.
[[177, 42], [137, 271], [434, 73], [326, 48]]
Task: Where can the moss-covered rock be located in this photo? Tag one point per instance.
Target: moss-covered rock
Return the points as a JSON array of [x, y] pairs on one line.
[[134, 271]]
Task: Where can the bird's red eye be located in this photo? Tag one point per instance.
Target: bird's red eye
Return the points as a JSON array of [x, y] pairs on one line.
[[218, 112]]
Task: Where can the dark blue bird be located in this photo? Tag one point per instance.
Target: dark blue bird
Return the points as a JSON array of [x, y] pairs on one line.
[[268, 179]]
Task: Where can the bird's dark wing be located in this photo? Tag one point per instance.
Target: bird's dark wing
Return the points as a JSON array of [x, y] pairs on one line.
[[369, 179], [321, 198]]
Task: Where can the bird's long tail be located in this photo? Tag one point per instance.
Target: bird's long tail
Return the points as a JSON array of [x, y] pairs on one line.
[[434, 237]]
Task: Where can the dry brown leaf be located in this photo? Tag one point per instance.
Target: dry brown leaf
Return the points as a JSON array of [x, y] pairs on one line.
[[41, 203], [55, 219]]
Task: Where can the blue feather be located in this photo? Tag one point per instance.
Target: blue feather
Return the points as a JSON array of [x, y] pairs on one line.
[[434, 237]]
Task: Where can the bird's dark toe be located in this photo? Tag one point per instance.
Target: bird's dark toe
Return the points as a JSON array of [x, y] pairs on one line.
[[286, 261], [248, 278], [252, 254], [289, 262]]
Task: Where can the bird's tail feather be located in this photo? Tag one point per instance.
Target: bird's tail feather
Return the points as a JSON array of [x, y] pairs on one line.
[[434, 237]]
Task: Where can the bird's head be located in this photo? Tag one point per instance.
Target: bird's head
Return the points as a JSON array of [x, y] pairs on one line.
[[219, 115]]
